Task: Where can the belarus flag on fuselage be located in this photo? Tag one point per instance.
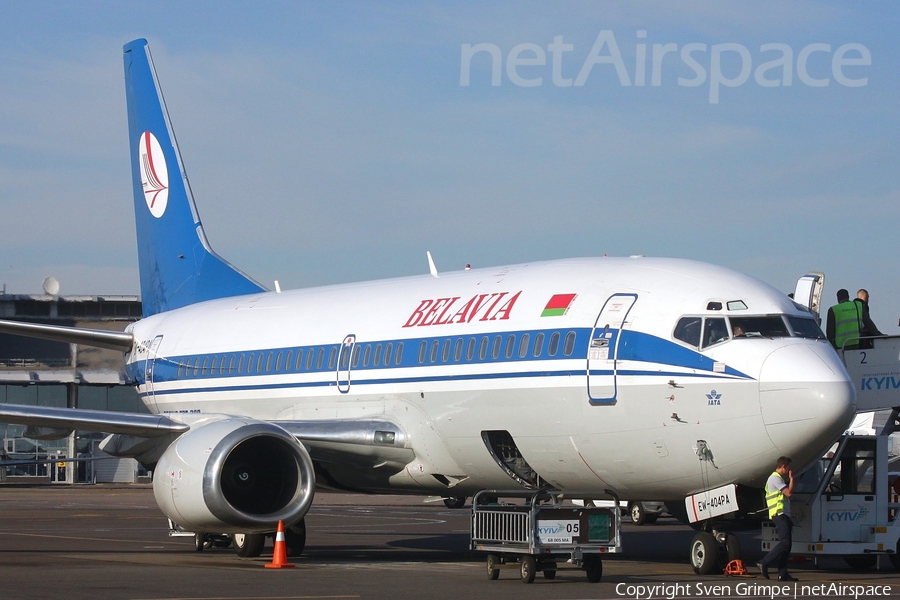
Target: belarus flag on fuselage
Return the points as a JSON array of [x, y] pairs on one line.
[[558, 305]]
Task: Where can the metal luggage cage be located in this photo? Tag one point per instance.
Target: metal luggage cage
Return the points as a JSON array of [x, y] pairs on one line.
[[534, 529]]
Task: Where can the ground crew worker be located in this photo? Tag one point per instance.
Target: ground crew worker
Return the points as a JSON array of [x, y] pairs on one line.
[[778, 495], [844, 322], [868, 327]]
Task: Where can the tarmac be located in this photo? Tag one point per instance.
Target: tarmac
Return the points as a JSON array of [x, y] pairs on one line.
[[111, 541]]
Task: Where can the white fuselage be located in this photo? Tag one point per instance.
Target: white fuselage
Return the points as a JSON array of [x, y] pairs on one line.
[[599, 404]]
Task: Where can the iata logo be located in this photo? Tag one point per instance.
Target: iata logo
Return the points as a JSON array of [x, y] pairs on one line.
[[154, 174], [714, 398]]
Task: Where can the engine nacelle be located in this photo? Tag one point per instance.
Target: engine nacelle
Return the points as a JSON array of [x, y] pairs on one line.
[[234, 476]]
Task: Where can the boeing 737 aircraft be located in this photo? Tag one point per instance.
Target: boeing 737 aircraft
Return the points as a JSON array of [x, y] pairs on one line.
[[655, 378]]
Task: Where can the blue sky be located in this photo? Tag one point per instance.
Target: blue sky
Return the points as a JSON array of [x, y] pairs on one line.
[[333, 142]]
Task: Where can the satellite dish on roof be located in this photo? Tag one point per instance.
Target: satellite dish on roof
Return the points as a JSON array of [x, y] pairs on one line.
[[51, 286]]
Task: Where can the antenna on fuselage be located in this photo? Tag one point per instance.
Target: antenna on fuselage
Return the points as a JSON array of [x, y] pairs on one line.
[[431, 266]]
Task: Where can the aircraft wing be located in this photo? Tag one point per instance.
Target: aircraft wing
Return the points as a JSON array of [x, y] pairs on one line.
[[63, 419], [111, 340]]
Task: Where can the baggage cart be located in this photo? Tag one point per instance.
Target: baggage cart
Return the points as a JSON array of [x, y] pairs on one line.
[[532, 531]]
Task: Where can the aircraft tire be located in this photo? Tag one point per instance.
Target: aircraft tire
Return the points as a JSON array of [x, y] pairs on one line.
[[295, 538], [249, 545], [199, 541], [637, 513], [493, 572], [704, 554], [455, 502], [528, 568]]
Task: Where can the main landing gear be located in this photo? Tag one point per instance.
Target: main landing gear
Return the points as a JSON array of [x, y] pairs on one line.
[[711, 550], [246, 545]]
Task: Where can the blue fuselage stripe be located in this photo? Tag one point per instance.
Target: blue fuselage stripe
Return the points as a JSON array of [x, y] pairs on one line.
[[423, 353]]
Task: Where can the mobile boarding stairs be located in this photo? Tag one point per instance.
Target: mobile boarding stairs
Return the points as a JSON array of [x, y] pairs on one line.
[[847, 505]]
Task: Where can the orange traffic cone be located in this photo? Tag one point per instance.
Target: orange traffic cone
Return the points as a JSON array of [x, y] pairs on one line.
[[279, 557]]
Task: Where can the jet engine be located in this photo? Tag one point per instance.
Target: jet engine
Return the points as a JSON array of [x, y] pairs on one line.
[[234, 476]]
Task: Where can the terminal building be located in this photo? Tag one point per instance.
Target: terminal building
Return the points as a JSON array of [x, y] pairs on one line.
[[47, 373]]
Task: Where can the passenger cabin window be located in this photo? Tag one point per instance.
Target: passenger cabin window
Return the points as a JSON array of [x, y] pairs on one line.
[[457, 350], [538, 344], [422, 349], [388, 352], [470, 349], [510, 346], [376, 360], [554, 343], [445, 351], [482, 348], [495, 348], [523, 345], [399, 356], [332, 357], [434, 350], [367, 353], [320, 356], [569, 344]]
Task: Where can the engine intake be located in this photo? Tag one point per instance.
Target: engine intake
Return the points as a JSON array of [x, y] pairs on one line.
[[234, 476]]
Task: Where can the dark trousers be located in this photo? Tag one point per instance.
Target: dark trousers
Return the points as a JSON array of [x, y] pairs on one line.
[[778, 556]]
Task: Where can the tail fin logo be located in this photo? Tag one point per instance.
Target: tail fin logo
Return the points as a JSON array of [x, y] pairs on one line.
[[154, 174]]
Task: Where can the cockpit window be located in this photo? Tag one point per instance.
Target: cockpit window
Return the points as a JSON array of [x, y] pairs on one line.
[[769, 327], [702, 332], [806, 328], [714, 331], [688, 330]]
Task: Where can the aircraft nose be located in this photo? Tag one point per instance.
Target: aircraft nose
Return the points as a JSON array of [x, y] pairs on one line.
[[806, 399]]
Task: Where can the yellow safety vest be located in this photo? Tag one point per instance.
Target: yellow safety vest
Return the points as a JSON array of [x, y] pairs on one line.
[[847, 323], [774, 498]]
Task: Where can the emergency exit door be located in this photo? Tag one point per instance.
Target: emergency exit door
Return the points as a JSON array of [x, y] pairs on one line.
[[603, 349]]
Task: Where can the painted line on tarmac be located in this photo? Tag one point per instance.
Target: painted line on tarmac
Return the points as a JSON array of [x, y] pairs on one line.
[[82, 538]]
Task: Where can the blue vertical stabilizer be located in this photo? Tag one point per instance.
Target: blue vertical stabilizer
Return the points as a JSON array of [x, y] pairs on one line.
[[177, 265]]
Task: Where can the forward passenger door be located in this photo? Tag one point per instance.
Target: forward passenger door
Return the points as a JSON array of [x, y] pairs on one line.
[[603, 349]]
